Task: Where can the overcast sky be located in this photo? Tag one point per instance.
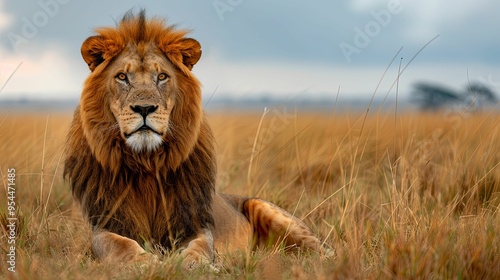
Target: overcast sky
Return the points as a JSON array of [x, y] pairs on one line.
[[278, 48]]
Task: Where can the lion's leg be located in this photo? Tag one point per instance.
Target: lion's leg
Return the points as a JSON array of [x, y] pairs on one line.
[[232, 231], [111, 247], [199, 250], [272, 224]]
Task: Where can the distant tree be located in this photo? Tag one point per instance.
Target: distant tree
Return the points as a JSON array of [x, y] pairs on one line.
[[434, 97]]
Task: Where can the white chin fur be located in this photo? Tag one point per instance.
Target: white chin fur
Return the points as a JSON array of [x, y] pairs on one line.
[[144, 141]]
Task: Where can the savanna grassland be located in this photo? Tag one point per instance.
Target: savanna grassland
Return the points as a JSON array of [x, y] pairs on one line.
[[412, 196]]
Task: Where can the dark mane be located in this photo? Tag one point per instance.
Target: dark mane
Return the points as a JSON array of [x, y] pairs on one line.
[[115, 201]]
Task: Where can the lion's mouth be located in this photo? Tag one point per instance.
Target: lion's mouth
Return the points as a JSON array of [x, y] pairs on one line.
[[143, 129]]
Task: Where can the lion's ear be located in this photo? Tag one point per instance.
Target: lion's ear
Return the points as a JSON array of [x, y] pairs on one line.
[[191, 52], [96, 49], [187, 51]]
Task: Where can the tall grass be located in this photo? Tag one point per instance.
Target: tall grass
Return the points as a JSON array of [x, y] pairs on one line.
[[412, 196]]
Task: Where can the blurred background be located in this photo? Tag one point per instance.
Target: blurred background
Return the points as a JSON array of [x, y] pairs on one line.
[[258, 52]]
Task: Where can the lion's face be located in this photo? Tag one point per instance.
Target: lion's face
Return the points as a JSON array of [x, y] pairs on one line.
[[142, 85], [141, 96]]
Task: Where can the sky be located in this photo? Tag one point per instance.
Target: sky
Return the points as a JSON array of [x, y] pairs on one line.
[[259, 48]]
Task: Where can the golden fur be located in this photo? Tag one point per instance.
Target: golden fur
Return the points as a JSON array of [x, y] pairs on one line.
[[141, 159]]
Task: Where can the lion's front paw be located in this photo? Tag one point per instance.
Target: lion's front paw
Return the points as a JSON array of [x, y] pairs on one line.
[[199, 251], [192, 260], [147, 258], [146, 261]]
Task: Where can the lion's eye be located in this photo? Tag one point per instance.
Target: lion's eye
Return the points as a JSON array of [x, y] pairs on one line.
[[121, 77], [162, 77]]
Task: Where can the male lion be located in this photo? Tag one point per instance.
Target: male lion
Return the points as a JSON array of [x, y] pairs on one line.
[[141, 159]]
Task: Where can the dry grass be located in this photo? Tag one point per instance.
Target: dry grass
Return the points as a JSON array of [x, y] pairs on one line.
[[412, 197]]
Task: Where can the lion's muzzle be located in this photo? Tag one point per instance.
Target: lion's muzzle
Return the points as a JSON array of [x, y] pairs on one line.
[[144, 136]]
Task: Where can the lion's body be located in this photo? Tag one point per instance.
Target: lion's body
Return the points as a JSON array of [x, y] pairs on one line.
[[141, 159]]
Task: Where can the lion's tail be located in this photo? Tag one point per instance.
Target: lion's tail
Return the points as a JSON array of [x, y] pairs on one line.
[[275, 226]]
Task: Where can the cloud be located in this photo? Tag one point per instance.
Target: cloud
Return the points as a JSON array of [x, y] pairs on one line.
[[5, 18], [52, 74], [258, 39], [290, 79], [426, 18]]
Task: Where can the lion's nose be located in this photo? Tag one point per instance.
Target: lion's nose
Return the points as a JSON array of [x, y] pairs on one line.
[[144, 110]]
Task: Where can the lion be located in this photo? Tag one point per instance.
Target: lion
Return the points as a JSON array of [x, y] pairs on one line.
[[141, 158]]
